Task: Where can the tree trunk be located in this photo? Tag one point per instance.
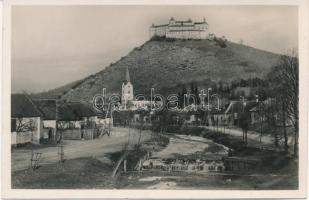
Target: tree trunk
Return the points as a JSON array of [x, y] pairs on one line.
[[246, 137], [296, 138], [286, 147], [273, 119], [261, 124]]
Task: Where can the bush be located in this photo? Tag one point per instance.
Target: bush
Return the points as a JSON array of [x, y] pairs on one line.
[[173, 129], [162, 38], [221, 42]]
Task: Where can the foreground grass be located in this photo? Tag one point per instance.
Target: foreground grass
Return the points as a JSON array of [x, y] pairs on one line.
[[91, 173], [75, 173]]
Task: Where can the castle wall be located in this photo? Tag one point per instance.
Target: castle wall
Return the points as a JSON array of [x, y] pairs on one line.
[[159, 31], [181, 30], [186, 35]]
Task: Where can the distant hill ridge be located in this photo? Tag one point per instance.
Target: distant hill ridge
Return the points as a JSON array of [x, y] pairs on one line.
[[166, 64]]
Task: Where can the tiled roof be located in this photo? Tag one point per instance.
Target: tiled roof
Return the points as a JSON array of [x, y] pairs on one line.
[[200, 23], [182, 25], [84, 109], [65, 113], [162, 25], [237, 106], [186, 30], [47, 108], [22, 106]]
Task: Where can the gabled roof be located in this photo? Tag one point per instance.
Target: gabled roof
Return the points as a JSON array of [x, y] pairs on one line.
[[23, 106], [47, 108], [65, 113], [127, 75], [239, 106], [201, 23], [157, 26], [84, 109], [252, 106]]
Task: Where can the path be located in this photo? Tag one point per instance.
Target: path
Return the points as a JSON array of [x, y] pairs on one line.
[[80, 148], [253, 137]]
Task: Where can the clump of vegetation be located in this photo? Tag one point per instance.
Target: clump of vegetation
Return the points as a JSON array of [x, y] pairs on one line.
[[221, 42], [162, 38]]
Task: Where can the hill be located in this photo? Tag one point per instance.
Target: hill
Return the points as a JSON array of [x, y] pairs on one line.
[[167, 64]]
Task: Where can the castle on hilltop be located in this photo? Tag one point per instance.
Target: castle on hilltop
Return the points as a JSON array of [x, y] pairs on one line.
[[181, 29]]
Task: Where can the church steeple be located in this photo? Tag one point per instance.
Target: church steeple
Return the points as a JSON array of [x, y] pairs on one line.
[[127, 90], [127, 75]]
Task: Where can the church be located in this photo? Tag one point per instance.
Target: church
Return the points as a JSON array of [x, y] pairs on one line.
[[128, 101], [127, 89]]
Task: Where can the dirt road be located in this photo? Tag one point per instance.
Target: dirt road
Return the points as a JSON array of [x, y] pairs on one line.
[[80, 148], [253, 137]]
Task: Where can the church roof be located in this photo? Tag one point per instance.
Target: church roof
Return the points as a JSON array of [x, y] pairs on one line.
[[127, 75]]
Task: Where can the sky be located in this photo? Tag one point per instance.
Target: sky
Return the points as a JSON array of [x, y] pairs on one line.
[[55, 45]]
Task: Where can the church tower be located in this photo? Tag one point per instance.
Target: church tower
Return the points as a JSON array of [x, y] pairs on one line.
[[127, 89]]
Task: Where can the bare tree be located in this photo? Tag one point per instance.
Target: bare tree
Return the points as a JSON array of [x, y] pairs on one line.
[[285, 74], [24, 125], [244, 123]]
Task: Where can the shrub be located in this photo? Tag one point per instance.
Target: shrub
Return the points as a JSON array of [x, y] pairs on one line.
[[173, 129], [162, 38], [221, 42]]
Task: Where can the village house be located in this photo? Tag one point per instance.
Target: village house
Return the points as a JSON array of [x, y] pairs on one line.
[[218, 118], [26, 120], [80, 120], [235, 109], [242, 91], [258, 113], [141, 118], [68, 123], [48, 109]]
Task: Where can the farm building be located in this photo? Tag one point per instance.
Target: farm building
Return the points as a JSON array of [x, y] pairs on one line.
[[235, 108], [48, 110], [35, 120], [26, 120], [79, 120]]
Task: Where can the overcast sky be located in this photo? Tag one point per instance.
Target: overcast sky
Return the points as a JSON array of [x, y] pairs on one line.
[[54, 45]]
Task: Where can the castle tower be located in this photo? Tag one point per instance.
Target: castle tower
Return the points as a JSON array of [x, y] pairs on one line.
[[127, 89]]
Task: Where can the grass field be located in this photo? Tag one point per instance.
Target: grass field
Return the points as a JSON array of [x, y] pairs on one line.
[[90, 173]]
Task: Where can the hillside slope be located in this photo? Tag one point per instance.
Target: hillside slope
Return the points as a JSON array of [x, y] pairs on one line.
[[165, 65]]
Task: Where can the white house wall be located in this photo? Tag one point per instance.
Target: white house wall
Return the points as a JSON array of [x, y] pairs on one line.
[[35, 134], [49, 123]]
